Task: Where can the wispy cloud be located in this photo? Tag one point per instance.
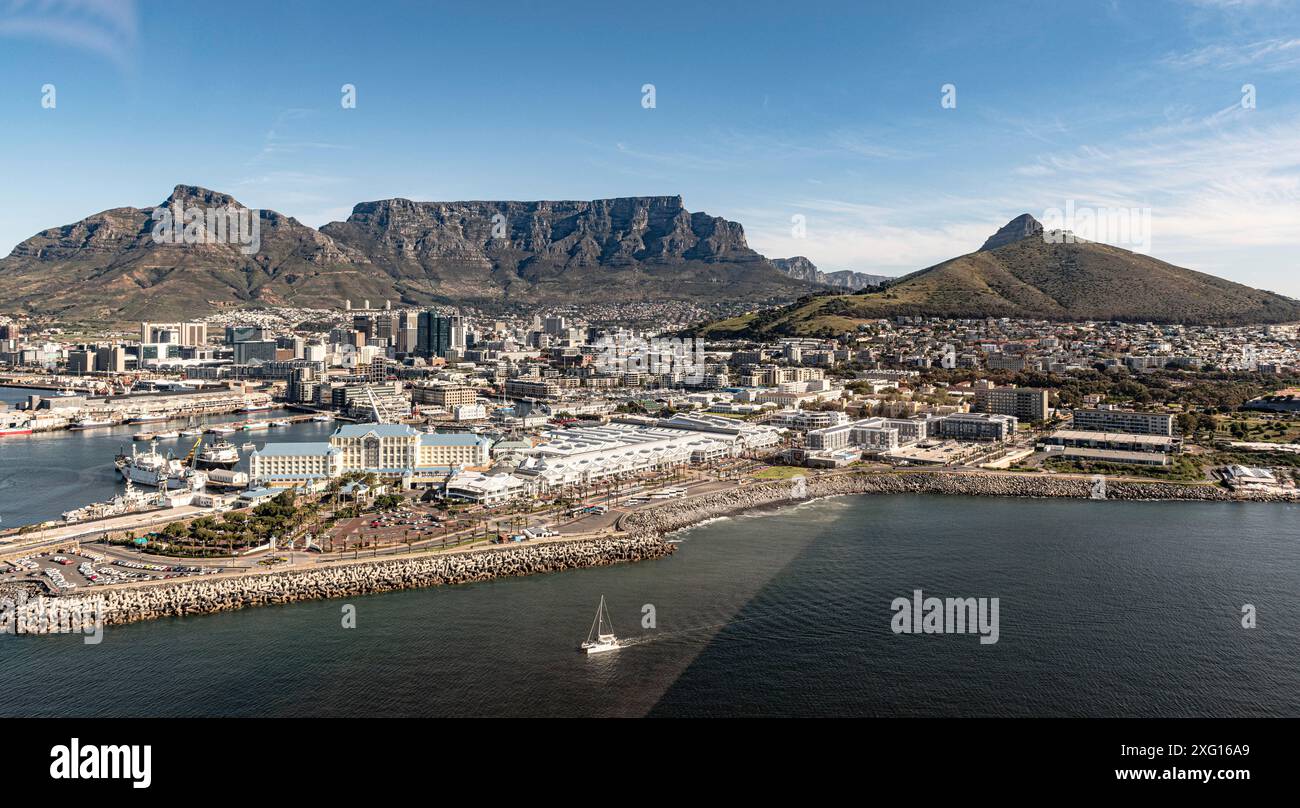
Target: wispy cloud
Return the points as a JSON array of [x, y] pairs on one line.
[[1221, 185], [1267, 55], [109, 28]]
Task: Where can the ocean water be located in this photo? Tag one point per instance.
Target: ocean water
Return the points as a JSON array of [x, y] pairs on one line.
[[1106, 609]]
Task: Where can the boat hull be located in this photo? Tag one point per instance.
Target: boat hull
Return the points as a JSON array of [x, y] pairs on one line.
[[151, 479], [216, 464]]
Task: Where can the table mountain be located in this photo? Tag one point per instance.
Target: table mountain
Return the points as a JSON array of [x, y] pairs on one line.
[[109, 266]]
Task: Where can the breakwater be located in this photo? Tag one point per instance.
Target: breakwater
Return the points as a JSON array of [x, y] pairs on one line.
[[205, 596], [678, 514]]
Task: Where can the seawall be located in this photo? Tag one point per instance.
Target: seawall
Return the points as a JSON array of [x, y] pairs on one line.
[[677, 514], [206, 596]]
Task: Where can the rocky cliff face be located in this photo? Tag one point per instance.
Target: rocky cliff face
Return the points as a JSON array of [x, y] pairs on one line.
[[1021, 227], [802, 269], [109, 266]]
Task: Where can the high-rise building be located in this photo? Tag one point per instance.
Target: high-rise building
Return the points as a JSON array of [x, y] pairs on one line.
[[408, 332], [81, 361], [111, 358], [1025, 403], [261, 351], [187, 334], [244, 333], [304, 382], [439, 334]]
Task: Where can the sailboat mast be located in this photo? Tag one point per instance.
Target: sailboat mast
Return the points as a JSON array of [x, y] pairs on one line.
[[595, 623]]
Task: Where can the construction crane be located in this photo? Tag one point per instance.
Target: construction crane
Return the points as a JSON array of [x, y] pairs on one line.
[[189, 458]]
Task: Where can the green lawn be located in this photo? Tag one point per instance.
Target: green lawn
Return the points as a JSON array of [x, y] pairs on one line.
[[780, 473], [1182, 469]]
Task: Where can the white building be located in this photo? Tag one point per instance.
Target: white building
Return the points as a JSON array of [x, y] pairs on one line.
[[389, 450], [586, 455], [869, 434], [284, 464], [485, 489]]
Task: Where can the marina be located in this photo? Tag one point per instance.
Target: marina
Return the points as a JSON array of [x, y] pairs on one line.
[[46, 474]]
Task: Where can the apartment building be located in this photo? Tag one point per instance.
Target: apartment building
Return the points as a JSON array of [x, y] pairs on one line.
[[1138, 423], [974, 426], [444, 395], [1025, 403]]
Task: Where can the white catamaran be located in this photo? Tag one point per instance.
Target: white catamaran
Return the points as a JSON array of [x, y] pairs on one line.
[[601, 637]]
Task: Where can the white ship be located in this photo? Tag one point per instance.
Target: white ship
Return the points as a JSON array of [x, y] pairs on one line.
[[133, 500], [218, 455], [153, 469], [89, 423], [221, 429], [601, 637], [255, 408], [323, 418]]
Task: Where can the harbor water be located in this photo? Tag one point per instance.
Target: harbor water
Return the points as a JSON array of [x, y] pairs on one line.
[[1106, 609], [44, 474]]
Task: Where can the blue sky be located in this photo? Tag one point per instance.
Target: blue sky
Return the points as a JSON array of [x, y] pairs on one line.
[[764, 112]]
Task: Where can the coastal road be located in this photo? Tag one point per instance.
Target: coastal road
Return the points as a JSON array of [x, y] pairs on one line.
[[90, 531]]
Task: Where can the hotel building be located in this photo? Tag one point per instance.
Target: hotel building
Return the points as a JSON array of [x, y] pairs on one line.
[[388, 450]]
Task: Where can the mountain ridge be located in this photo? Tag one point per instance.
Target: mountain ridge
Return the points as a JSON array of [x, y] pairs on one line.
[[1024, 272], [804, 269], [109, 266]]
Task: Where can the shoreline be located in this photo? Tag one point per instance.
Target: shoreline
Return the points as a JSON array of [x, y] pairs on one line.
[[682, 514], [643, 538], [180, 598]]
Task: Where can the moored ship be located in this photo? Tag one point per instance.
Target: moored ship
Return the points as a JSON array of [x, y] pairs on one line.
[[154, 469], [220, 454], [90, 423], [133, 500], [147, 418]]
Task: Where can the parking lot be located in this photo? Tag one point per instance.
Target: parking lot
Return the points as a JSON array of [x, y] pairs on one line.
[[69, 571]]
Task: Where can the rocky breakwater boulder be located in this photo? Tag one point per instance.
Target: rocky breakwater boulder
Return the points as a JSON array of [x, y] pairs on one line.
[[678, 514], [180, 598]]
